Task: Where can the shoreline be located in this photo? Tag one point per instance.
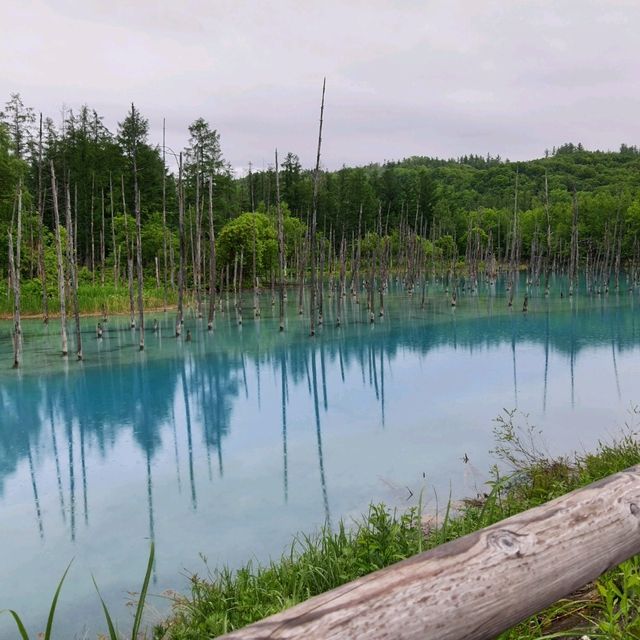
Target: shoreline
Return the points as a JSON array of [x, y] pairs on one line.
[[228, 600], [85, 314]]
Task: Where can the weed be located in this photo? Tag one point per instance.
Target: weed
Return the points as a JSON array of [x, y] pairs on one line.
[[113, 634]]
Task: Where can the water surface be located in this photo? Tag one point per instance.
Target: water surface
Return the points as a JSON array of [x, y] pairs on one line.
[[228, 445]]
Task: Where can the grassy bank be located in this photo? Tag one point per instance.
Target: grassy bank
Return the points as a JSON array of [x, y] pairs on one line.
[[610, 608], [93, 299]]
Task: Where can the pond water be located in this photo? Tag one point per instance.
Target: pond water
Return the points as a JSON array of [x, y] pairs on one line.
[[223, 448]]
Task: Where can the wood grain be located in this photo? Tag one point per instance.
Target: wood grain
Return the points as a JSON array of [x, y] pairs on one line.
[[479, 585]]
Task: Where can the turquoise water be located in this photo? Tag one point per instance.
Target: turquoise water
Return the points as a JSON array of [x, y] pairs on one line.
[[228, 445]]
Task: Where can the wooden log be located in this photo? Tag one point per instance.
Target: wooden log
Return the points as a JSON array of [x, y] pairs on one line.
[[481, 584]]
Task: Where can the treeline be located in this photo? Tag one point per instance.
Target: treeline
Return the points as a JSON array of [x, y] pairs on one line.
[[451, 204], [448, 197], [434, 197], [98, 166]]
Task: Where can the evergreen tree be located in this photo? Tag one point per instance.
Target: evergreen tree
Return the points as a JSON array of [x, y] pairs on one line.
[[19, 121]]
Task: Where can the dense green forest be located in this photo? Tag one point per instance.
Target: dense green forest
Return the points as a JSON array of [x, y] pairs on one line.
[[444, 201]]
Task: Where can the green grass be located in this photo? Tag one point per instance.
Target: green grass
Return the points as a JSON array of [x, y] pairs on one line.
[[226, 600], [52, 610], [113, 632], [92, 299]]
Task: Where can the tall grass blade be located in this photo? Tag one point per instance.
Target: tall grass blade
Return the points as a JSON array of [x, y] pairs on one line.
[[23, 632], [54, 602], [112, 630], [419, 517], [491, 500], [143, 595], [442, 534]]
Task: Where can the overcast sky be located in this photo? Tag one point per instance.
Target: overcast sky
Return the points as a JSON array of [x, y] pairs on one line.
[[404, 77]]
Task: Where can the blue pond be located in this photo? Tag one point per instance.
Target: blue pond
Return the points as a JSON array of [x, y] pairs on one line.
[[223, 448]]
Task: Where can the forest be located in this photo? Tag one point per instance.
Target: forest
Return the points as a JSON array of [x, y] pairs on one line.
[[134, 210]]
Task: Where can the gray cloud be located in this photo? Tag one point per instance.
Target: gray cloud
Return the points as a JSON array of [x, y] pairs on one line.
[[403, 77]]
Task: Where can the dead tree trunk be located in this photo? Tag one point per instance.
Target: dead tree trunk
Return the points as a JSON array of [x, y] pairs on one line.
[[281, 255], [514, 244], [573, 266], [179, 316], [314, 215], [256, 302], [136, 205], [355, 275], [42, 265], [197, 246], [239, 301], [102, 243], [341, 286], [116, 253], [164, 217], [60, 260], [212, 260], [91, 224], [548, 260], [14, 267], [72, 258], [383, 274], [302, 261], [321, 287], [132, 306], [15, 282]]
